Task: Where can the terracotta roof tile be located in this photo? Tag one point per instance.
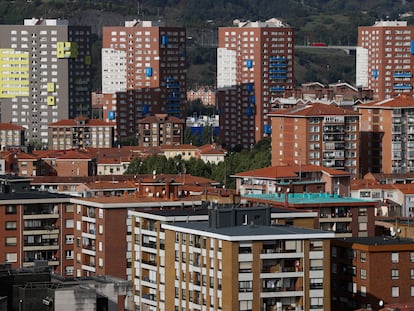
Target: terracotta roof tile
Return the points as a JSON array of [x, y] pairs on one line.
[[10, 126], [400, 101], [289, 171]]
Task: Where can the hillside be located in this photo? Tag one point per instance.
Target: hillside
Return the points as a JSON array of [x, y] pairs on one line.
[[334, 22]]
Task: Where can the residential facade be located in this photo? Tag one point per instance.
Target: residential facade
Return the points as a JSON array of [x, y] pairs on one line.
[[385, 58], [80, 132], [296, 178], [255, 65], [46, 74], [103, 229], [316, 134], [36, 226], [345, 216], [205, 94], [160, 129], [370, 272], [387, 135], [11, 136], [227, 264], [143, 73]]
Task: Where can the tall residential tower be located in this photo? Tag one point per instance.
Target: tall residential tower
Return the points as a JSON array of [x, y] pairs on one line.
[[44, 74], [255, 63], [385, 57], [143, 73]]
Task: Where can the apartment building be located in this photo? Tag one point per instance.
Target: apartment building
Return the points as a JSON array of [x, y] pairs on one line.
[[45, 74], [68, 163], [345, 216], [387, 140], [371, 272], [341, 93], [316, 134], [385, 59], [35, 226], [80, 132], [160, 129], [296, 178], [102, 225], [237, 261], [143, 73], [11, 136], [255, 65], [148, 243], [205, 94]]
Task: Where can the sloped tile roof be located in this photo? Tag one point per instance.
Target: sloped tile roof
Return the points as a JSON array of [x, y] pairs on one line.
[[400, 101]]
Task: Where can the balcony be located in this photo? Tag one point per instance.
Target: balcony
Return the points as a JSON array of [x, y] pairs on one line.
[[277, 59], [151, 297], [402, 86], [402, 74], [280, 71], [277, 77], [276, 89]]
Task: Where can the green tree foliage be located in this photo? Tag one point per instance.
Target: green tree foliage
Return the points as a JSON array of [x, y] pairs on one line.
[[196, 108], [235, 162]]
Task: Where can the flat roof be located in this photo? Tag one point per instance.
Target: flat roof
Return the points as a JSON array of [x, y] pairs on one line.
[[249, 232], [32, 195], [306, 198], [197, 211], [378, 240]]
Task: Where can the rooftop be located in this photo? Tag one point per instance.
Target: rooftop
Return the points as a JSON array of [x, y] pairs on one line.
[[250, 232], [305, 198], [378, 240], [32, 195], [398, 102]]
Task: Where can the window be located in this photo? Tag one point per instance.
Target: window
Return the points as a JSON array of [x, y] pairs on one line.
[[245, 305], [394, 257], [69, 209], [245, 286], [316, 264], [363, 291], [69, 254], [412, 291], [69, 239], [363, 256], [363, 274], [333, 251], [11, 225], [363, 226], [412, 273], [316, 283], [395, 291], [11, 257], [316, 302], [11, 209], [69, 270], [245, 267], [11, 241], [412, 256], [69, 223], [395, 274]]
